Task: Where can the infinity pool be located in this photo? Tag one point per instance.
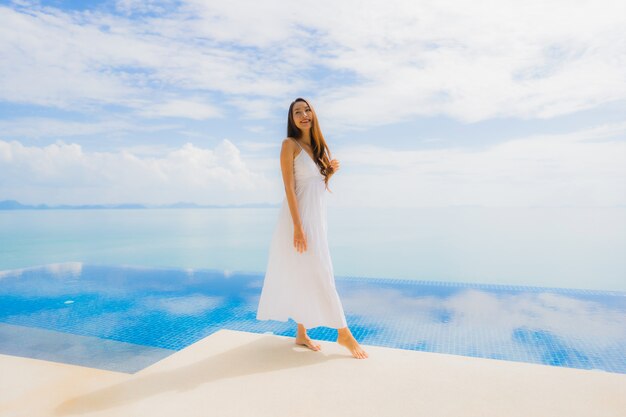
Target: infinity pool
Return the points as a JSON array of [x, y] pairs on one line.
[[126, 318]]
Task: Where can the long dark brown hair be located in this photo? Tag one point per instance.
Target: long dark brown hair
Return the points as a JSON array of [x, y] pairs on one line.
[[321, 152]]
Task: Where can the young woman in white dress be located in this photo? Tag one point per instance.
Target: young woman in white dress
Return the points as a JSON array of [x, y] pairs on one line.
[[299, 281]]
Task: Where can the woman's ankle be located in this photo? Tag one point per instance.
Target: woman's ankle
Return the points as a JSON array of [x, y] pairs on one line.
[[344, 332]]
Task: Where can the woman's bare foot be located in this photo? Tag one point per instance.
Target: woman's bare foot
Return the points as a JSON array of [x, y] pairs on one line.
[[303, 339], [346, 339], [308, 342]]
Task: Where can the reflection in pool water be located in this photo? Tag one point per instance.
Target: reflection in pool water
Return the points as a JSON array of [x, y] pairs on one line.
[[125, 318]]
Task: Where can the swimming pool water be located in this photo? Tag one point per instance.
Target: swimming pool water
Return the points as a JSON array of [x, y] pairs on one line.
[[126, 318]]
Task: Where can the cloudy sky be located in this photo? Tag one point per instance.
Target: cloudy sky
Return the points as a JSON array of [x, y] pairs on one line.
[[425, 103]]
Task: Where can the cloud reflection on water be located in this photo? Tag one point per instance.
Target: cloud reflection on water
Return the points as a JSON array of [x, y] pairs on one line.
[[172, 308], [541, 327]]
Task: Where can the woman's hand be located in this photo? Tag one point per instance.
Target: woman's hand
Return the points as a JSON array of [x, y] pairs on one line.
[[299, 239], [335, 165]]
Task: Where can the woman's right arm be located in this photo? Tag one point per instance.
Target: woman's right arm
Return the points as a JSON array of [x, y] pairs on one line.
[[286, 166]]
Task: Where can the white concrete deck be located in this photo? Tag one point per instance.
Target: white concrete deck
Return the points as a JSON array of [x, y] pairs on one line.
[[241, 374]]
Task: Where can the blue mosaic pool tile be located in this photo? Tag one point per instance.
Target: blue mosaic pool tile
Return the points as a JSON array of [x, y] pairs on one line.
[[170, 309]]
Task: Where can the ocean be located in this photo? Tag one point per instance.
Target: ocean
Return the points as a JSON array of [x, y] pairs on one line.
[[581, 248]]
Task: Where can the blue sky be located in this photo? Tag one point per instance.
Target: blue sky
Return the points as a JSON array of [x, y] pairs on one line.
[[437, 103]]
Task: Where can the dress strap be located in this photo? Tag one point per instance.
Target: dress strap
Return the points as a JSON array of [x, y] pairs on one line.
[[298, 144]]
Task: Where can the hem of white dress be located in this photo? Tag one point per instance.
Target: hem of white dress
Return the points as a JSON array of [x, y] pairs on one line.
[[306, 325]]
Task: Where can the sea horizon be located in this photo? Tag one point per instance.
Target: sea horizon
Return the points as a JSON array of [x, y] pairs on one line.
[[562, 247], [16, 205]]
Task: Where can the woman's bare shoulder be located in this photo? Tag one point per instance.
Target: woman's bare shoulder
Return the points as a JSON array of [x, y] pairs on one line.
[[290, 144], [289, 141]]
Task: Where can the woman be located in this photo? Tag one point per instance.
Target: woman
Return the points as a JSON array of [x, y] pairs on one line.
[[299, 281]]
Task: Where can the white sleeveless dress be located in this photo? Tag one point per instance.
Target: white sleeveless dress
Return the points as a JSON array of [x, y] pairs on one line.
[[301, 286]]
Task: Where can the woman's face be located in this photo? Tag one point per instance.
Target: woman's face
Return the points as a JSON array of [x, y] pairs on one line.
[[302, 115]]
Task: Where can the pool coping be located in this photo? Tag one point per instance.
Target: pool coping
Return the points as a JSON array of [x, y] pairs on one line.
[[235, 373]]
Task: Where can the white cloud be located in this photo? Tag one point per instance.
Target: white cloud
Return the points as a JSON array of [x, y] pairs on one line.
[[567, 319], [65, 173], [584, 168], [82, 61], [45, 127], [191, 109], [53, 60], [257, 108], [143, 6], [65, 270], [478, 60], [394, 60], [70, 270], [191, 305], [258, 146]]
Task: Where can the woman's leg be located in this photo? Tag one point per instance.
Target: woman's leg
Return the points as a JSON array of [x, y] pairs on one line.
[[303, 339], [345, 338]]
